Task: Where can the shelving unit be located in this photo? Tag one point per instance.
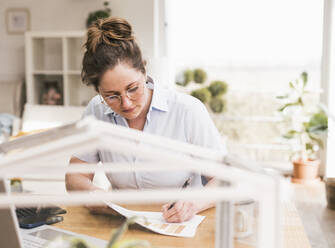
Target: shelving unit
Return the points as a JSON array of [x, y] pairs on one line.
[[56, 57]]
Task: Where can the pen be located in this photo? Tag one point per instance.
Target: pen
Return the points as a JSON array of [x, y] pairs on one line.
[[186, 183]]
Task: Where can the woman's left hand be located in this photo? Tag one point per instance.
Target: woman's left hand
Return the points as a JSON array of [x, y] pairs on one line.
[[180, 212]]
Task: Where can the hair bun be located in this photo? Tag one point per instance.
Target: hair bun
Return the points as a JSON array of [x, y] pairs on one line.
[[109, 31]]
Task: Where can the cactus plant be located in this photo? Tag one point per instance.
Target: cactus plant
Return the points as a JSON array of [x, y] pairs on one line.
[[217, 105], [188, 76], [200, 76], [218, 88], [202, 94], [185, 78], [98, 14]]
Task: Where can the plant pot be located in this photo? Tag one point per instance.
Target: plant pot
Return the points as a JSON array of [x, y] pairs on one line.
[[330, 192], [305, 171]]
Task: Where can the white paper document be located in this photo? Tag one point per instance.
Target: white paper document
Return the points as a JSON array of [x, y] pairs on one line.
[[155, 222], [50, 237]]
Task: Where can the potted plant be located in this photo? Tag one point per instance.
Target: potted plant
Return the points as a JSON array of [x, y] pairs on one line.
[[185, 78], [114, 242], [199, 76], [213, 95], [98, 14], [217, 89], [202, 94], [306, 125]]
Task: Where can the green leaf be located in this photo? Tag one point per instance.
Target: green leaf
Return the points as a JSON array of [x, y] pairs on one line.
[[284, 107], [309, 146], [290, 134], [288, 105], [291, 85], [318, 122], [116, 235], [306, 125], [287, 136], [79, 243], [180, 83], [304, 77], [317, 140], [317, 129], [282, 97]]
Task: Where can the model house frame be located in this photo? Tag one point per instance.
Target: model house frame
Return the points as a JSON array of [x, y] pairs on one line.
[[48, 152]]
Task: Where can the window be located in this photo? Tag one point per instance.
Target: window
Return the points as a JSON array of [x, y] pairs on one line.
[[257, 47]]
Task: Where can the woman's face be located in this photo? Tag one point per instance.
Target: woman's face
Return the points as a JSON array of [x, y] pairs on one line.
[[123, 89]]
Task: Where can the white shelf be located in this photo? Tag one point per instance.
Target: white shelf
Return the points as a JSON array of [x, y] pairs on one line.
[[48, 72], [73, 72], [80, 93], [55, 58], [57, 34]]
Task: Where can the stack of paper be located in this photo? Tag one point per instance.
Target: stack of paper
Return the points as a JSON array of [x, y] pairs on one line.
[[155, 222]]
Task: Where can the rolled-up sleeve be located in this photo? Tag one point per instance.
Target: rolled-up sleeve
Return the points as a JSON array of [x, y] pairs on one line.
[[94, 109], [200, 129]]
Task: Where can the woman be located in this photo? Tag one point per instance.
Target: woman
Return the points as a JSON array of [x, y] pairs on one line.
[[113, 64]]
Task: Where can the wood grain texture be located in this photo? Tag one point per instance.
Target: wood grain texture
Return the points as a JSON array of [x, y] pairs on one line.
[[79, 220], [317, 219]]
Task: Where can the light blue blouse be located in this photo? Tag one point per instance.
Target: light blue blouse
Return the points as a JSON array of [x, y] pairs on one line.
[[171, 114]]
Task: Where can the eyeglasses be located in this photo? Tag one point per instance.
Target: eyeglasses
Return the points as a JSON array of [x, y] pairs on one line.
[[132, 93]]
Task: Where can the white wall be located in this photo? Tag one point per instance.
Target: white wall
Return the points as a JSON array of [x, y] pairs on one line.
[[51, 15]]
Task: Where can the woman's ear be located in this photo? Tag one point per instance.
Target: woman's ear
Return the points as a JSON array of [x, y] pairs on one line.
[[145, 67]]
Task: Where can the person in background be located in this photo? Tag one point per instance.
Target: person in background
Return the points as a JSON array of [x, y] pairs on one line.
[[127, 96]]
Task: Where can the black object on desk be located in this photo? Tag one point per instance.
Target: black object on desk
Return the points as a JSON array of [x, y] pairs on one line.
[[34, 217]]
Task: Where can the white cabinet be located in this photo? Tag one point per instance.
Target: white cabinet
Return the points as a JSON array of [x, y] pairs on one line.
[[54, 58]]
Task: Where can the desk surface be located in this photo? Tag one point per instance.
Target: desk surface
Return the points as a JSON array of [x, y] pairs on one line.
[[79, 220]]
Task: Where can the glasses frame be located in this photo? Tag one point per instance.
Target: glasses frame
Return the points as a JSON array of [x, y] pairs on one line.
[[106, 101]]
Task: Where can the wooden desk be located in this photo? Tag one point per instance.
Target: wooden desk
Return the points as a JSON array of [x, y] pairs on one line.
[[79, 220], [318, 220]]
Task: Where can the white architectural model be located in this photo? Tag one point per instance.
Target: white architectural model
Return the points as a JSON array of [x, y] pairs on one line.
[[39, 154]]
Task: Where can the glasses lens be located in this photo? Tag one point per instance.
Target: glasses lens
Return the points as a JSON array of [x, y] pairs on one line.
[[132, 93], [135, 92], [112, 99]]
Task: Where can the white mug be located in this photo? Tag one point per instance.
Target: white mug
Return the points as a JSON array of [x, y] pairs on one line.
[[243, 219]]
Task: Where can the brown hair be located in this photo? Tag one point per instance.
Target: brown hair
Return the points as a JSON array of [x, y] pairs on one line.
[[109, 42]]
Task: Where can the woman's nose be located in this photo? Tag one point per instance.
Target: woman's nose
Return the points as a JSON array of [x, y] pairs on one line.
[[125, 101]]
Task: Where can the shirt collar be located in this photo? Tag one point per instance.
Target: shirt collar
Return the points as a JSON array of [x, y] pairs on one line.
[[159, 100], [108, 111]]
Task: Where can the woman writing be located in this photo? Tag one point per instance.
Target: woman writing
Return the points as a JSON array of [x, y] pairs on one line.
[[113, 64]]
